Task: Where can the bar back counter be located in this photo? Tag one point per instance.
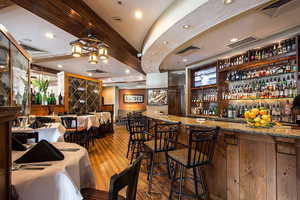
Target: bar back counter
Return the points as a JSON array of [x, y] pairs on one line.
[[249, 163]]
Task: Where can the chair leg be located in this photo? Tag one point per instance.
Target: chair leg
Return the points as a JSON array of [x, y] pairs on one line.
[[132, 152], [203, 184], [168, 166], [128, 148], [181, 171], [151, 172], [172, 168], [195, 180]]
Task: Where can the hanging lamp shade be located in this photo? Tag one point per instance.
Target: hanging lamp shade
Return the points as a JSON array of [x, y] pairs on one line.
[[76, 50], [93, 58], [103, 52]]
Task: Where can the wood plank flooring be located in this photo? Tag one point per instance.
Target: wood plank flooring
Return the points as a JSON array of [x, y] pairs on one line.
[[108, 156]]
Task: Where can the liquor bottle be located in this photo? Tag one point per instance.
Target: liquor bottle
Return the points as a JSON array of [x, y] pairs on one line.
[[275, 51]]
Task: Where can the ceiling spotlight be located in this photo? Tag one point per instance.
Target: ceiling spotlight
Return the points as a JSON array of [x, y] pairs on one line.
[[127, 71], [138, 14], [165, 42], [185, 60], [90, 74], [226, 2], [59, 66], [186, 26], [234, 40], [141, 78], [105, 61], [49, 35]]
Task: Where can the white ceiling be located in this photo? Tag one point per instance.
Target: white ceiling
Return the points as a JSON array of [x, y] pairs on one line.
[[203, 18], [215, 41], [132, 29], [114, 68], [25, 25], [22, 24]]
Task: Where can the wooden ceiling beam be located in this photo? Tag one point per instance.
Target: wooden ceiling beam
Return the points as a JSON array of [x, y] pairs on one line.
[[78, 19], [5, 3]]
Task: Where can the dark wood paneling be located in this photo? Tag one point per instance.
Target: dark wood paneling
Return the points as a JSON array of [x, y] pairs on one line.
[[7, 114], [43, 69], [78, 19], [5, 3]]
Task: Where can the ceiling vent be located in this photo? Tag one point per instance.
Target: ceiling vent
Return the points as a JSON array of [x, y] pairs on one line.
[[98, 71], [32, 49], [242, 42], [279, 7], [117, 18], [188, 50]]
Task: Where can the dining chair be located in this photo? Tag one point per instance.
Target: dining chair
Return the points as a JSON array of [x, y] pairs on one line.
[[127, 178], [75, 133], [45, 119], [165, 137], [23, 137], [197, 154]]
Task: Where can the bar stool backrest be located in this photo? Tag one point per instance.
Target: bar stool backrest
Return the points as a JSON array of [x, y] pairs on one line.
[[137, 126], [129, 177], [165, 136], [68, 122], [202, 144]]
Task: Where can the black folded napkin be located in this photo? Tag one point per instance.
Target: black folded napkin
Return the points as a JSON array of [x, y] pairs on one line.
[[41, 152], [36, 124], [17, 145]]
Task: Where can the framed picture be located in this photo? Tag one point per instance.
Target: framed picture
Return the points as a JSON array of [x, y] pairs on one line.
[[133, 98], [157, 96]]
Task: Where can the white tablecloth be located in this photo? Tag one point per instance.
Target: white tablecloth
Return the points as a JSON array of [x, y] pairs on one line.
[[53, 132], [85, 121], [61, 181], [103, 116]]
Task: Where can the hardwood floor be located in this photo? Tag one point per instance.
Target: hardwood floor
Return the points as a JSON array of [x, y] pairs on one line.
[[108, 156]]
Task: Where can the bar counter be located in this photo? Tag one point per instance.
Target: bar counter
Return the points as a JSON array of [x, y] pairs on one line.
[[249, 163], [277, 131]]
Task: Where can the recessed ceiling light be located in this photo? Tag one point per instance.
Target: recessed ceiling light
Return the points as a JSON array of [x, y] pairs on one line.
[[165, 42], [185, 60], [186, 26], [138, 14], [226, 2], [234, 40], [2, 66], [105, 61], [141, 78], [90, 74], [49, 35], [127, 71], [59, 66]]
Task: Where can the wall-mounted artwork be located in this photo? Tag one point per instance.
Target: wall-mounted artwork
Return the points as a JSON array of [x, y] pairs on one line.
[[133, 98], [158, 96]]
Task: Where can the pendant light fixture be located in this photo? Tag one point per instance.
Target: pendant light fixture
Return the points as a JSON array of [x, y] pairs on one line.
[[90, 45]]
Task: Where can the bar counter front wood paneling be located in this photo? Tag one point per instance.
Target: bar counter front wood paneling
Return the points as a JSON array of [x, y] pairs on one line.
[[249, 163]]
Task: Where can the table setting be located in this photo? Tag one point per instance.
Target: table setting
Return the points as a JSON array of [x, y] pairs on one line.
[[57, 171], [52, 132]]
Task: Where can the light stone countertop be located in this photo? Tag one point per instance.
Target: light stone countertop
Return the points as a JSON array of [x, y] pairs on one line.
[[278, 131]]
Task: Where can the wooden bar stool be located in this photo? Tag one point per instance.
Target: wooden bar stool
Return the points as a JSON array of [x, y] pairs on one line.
[[165, 139], [137, 126], [195, 156]]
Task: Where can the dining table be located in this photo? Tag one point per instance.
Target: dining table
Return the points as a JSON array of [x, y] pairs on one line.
[[52, 132], [55, 180]]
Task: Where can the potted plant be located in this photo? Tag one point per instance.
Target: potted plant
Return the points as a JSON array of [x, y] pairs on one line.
[[42, 86]]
